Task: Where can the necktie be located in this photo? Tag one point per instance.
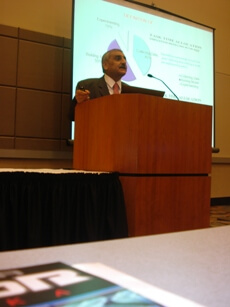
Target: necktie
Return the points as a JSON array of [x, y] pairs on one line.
[[116, 88]]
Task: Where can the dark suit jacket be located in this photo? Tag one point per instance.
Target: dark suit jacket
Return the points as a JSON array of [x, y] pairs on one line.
[[97, 88]]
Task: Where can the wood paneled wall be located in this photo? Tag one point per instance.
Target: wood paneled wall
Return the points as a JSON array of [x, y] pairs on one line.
[[35, 87]]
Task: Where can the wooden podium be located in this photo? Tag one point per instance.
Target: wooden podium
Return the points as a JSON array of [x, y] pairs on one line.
[[162, 151]]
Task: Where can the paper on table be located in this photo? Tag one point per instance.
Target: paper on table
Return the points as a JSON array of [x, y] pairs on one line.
[[135, 285]]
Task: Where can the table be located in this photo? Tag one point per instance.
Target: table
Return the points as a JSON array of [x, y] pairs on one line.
[[193, 264], [51, 207]]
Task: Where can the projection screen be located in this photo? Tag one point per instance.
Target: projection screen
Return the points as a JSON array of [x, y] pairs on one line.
[[177, 52]]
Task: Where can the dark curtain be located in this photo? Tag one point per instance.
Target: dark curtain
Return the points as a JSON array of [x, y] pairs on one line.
[[45, 209]]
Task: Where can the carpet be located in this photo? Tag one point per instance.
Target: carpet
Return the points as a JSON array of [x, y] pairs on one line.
[[219, 215]]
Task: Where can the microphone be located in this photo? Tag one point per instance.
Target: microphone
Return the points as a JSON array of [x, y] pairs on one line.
[[151, 76]]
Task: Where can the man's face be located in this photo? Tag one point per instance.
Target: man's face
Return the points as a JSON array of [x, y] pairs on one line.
[[115, 66]]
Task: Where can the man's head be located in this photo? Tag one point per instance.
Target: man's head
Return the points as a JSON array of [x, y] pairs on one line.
[[114, 64]]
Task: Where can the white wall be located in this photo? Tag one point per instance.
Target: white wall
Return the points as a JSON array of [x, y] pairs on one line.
[[45, 16]]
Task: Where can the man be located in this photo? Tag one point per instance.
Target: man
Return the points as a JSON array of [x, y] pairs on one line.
[[114, 67]]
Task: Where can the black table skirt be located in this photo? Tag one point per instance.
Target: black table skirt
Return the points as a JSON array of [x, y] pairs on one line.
[[46, 209]]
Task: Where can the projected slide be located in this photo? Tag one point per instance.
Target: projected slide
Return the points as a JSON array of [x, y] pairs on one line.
[[142, 62], [177, 51]]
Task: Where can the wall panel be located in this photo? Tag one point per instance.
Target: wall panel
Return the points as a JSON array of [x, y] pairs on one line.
[[6, 142], [7, 107], [40, 66], [35, 87], [37, 144], [65, 123], [66, 81], [38, 114], [8, 60]]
